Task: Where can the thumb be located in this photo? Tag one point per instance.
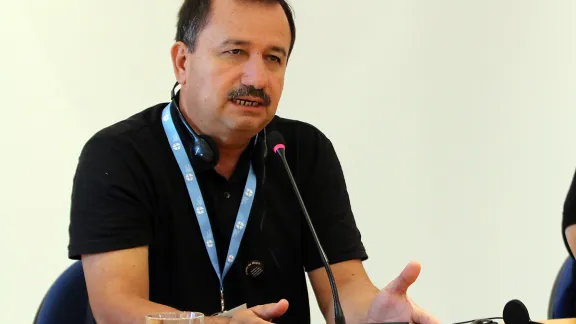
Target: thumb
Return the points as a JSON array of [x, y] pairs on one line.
[[272, 310], [406, 278]]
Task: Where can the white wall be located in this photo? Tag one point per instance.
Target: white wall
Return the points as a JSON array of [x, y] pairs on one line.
[[454, 122]]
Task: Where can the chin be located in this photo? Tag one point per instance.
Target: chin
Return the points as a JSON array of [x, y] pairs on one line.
[[247, 124], [249, 120]]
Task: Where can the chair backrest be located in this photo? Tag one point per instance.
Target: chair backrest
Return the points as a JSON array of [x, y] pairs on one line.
[[562, 299], [67, 299]]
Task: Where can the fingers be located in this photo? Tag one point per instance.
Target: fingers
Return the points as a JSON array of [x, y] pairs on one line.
[[247, 317], [261, 314], [406, 278], [272, 310]]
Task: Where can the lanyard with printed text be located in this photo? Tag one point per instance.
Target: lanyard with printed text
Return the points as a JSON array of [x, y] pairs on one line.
[[200, 208]]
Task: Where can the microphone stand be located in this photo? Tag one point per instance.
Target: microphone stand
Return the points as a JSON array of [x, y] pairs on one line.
[[338, 312]]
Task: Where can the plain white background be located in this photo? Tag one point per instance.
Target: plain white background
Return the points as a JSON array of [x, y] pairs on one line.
[[454, 122]]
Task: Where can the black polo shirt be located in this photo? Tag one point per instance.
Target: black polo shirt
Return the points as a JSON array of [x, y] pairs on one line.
[[128, 191]]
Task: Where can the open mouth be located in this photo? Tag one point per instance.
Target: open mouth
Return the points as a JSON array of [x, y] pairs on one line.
[[246, 103]]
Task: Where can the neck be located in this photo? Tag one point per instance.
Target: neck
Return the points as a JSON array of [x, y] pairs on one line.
[[229, 157], [230, 148], [230, 144]]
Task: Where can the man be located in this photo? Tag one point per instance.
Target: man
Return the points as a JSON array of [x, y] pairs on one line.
[[155, 207]]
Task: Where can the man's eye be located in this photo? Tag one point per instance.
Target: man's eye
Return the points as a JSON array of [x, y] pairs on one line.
[[275, 59], [234, 51]]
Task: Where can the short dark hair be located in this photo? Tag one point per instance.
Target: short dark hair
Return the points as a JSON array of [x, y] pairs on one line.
[[194, 14]]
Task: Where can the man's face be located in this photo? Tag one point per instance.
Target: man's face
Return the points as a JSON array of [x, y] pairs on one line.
[[235, 76]]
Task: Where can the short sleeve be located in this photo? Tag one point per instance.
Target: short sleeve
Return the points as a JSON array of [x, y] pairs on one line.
[[110, 207], [569, 211], [327, 201]]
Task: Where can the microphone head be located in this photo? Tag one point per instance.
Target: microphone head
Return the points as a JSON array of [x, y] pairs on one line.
[[515, 312], [276, 141]]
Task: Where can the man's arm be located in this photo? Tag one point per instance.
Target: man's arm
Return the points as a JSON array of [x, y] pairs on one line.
[[569, 217], [570, 233], [326, 197], [355, 290], [117, 284]]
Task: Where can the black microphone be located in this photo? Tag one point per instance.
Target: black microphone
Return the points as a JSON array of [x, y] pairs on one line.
[[515, 312], [276, 141]]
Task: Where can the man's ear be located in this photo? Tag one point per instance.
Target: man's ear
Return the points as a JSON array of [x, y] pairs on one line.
[[178, 53]]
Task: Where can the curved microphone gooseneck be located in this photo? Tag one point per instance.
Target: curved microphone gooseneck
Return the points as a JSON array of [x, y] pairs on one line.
[[276, 141]]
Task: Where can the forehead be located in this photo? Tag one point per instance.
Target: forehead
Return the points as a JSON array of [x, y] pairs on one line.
[[247, 20]]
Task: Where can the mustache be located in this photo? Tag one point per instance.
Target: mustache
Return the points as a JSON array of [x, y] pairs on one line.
[[251, 91]]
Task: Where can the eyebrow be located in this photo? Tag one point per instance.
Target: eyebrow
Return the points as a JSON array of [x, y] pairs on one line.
[[274, 48]]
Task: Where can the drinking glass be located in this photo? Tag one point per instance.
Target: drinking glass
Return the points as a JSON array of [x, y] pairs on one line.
[[175, 318]]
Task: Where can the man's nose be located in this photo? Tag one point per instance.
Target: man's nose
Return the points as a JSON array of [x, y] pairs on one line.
[[255, 73]]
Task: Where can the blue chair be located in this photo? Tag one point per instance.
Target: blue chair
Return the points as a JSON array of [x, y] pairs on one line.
[[562, 299], [67, 299]]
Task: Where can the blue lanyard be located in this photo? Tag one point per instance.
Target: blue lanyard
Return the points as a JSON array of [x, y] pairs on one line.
[[200, 208]]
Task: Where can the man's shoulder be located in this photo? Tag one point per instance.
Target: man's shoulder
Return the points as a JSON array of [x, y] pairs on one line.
[[137, 131], [294, 130], [307, 143], [131, 126]]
